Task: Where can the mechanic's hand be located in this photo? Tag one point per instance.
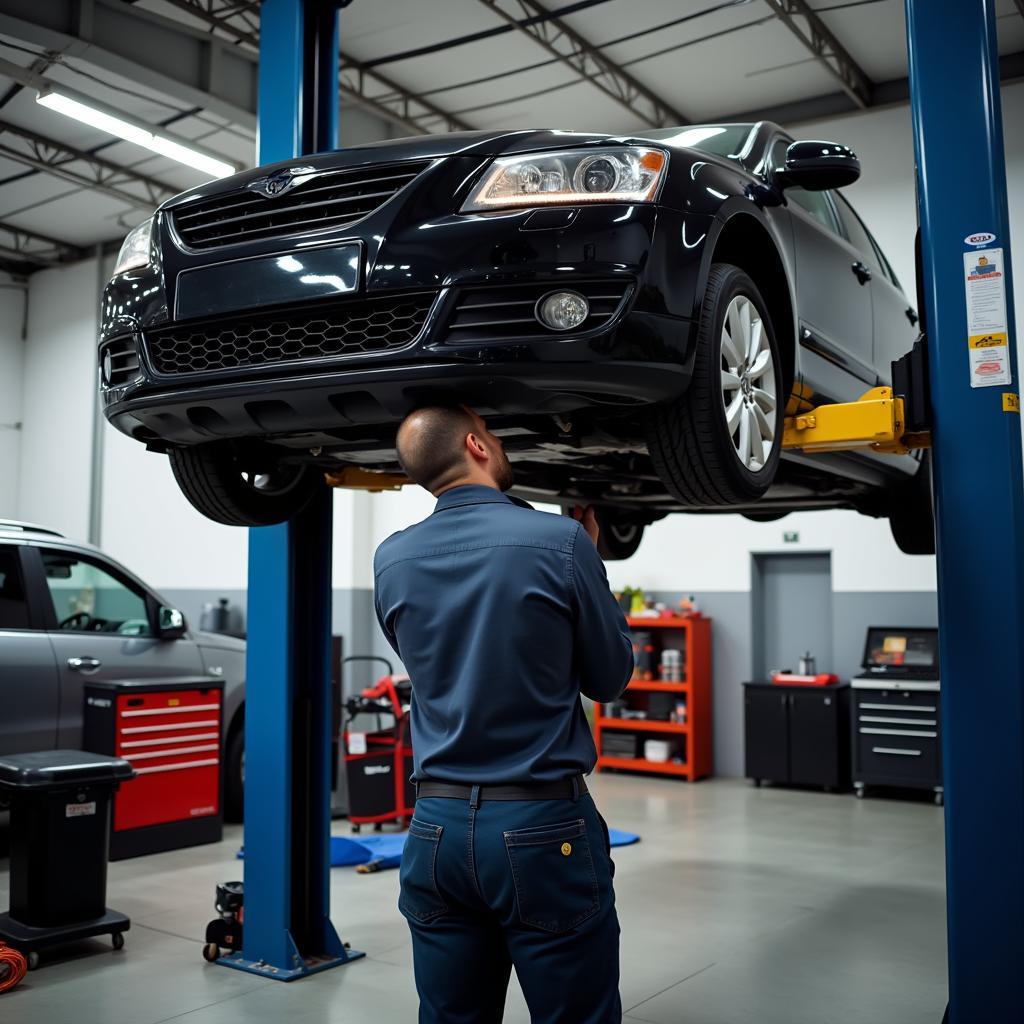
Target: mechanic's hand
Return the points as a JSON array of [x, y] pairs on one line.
[[588, 519]]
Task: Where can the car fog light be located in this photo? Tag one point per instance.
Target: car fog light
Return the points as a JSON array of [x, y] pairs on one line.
[[562, 311], [107, 367]]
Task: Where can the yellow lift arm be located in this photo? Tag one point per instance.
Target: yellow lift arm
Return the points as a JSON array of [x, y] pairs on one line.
[[876, 420]]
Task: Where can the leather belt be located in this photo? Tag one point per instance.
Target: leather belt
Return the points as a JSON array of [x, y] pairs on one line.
[[564, 789]]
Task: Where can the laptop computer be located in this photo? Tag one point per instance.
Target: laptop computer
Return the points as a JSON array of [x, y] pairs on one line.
[[901, 652]]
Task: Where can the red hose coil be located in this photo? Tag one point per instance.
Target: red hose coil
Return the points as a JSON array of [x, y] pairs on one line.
[[13, 966]]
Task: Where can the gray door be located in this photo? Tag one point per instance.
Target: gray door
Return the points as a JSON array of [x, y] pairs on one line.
[[792, 607], [104, 630], [28, 672]]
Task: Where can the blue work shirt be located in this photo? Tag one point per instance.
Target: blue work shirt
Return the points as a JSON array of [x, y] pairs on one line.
[[503, 617]]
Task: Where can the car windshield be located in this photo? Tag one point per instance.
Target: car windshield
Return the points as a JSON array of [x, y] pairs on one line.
[[718, 139]]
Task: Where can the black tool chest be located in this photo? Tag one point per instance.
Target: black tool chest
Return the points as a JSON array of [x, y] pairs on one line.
[[897, 735]]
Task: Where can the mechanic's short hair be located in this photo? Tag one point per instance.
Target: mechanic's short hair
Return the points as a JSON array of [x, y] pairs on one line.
[[432, 444]]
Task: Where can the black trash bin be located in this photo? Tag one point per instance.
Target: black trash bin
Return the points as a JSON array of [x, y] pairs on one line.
[[60, 831]]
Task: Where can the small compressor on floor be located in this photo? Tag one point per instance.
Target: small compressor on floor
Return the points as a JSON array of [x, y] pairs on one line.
[[225, 932], [378, 763]]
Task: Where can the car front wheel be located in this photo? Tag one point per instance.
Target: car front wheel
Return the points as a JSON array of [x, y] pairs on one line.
[[719, 443], [620, 536], [228, 490]]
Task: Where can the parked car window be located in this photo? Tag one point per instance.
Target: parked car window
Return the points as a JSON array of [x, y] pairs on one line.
[[89, 599], [13, 605]]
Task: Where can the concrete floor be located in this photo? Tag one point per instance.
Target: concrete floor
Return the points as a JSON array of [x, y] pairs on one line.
[[740, 905]]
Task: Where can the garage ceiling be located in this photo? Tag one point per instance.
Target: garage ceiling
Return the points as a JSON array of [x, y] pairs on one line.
[[189, 67]]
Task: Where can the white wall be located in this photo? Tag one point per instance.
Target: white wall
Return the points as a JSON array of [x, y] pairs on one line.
[[13, 296], [58, 396]]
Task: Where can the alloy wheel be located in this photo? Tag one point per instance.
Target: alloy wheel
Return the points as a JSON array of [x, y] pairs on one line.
[[749, 395]]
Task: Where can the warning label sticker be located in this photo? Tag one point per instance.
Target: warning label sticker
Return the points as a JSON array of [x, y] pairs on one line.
[[80, 810], [987, 333]]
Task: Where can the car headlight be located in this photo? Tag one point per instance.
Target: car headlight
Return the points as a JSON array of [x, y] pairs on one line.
[[624, 174], [135, 248]]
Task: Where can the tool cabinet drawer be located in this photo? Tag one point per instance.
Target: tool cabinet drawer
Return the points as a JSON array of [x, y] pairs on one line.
[[896, 758]]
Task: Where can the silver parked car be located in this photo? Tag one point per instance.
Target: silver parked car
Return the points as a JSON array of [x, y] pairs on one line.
[[68, 614]]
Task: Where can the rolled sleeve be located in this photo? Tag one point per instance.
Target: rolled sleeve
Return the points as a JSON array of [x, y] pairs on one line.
[[602, 641]]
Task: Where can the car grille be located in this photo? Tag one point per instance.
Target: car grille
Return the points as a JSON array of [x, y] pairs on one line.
[[332, 199], [507, 311], [119, 362], [326, 332]]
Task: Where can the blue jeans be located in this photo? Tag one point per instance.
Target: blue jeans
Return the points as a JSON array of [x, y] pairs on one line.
[[523, 883]]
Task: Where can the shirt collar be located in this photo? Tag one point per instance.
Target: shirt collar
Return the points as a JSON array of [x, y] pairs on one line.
[[470, 494]]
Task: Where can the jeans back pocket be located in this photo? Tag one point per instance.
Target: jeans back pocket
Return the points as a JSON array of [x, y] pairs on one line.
[[420, 897], [553, 870]]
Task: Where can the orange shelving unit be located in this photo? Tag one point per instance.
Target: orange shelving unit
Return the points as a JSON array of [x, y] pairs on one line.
[[691, 635]]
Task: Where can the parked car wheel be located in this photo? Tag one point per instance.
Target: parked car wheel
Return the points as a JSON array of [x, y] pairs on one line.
[[719, 443], [225, 490], [912, 513], [621, 534], [234, 776]]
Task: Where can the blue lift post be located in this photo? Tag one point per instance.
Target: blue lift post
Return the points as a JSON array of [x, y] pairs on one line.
[[979, 492], [288, 932]]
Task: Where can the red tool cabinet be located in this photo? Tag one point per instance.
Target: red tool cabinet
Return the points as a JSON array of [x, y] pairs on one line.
[[170, 732]]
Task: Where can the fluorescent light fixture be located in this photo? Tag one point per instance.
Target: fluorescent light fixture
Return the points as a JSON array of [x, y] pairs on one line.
[[122, 129]]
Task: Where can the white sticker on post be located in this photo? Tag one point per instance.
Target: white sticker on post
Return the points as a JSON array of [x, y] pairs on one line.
[[357, 742], [988, 339]]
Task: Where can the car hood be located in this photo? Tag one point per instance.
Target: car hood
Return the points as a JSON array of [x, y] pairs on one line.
[[478, 144], [218, 641]]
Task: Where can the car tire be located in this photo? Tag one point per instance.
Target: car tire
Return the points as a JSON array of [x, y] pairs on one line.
[[764, 517], [217, 484], [621, 534], [234, 775], [912, 513], [694, 451]]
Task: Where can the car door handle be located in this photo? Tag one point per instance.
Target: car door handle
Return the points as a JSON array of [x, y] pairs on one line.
[[862, 272], [84, 664]]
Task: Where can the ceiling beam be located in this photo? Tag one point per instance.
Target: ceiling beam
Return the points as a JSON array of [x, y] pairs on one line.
[[17, 245], [806, 24], [837, 104], [155, 52], [593, 66], [365, 88], [81, 168]]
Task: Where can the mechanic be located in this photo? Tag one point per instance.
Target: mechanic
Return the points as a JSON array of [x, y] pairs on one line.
[[502, 616]]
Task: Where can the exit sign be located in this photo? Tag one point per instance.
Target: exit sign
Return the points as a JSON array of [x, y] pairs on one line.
[[791, 537]]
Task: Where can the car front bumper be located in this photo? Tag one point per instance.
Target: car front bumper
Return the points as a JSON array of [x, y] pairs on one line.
[[424, 267]]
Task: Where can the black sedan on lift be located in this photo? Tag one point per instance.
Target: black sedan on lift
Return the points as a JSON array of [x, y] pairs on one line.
[[634, 315]]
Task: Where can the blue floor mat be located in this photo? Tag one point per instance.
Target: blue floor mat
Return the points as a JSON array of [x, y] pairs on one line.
[[386, 850], [620, 838]]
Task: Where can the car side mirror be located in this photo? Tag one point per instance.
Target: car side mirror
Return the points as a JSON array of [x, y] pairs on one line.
[[170, 623], [817, 166]]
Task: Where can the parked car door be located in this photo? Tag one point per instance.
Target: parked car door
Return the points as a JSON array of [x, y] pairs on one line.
[[29, 696], [833, 297], [102, 627], [895, 320]]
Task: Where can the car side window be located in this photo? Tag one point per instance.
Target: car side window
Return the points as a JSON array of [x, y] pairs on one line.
[[89, 599], [858, 236], [13, 602], [815, 203]]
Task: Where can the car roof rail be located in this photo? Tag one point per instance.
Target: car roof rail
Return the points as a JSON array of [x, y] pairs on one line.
[[15, 524]]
